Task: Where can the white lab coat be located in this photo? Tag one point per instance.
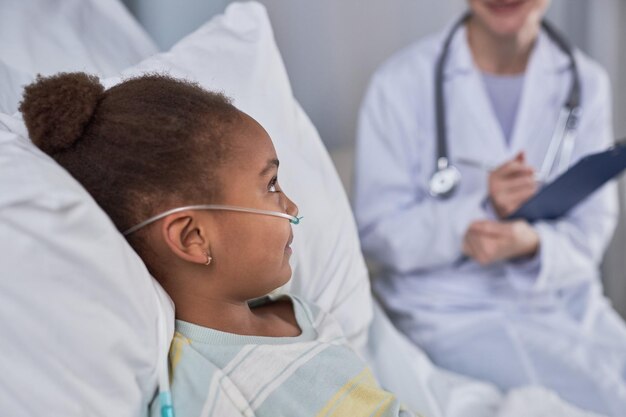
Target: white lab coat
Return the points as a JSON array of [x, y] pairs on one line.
[[529, 321]]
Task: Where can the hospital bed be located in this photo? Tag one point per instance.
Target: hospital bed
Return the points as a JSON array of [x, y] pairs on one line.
[[85, 328]]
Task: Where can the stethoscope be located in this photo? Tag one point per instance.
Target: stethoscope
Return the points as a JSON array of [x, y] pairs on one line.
[[447, 177]]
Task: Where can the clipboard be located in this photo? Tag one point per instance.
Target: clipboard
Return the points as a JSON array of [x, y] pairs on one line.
[[555, 199]]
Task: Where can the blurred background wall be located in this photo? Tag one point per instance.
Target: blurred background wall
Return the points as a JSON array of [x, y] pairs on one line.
[[332, 47]]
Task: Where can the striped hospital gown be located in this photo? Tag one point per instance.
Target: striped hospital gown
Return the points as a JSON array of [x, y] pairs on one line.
[[315, 374]]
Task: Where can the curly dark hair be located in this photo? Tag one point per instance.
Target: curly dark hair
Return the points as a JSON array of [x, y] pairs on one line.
[[140, 147]]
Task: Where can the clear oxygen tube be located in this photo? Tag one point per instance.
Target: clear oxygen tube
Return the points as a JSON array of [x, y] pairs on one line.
[[292, 219]]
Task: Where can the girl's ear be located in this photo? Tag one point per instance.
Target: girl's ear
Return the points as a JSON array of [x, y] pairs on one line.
[[185, 237]]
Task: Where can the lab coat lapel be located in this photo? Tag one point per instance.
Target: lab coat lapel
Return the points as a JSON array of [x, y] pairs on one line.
[[542, 97], [474, 131]]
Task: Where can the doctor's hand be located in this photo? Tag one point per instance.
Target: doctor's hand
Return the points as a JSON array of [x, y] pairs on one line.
[[510, 185], [488, 241]]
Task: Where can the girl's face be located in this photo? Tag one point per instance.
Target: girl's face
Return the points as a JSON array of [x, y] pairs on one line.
[[508, 17], [251, 251]]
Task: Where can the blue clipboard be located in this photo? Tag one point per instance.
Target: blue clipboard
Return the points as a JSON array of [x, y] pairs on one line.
[[589, 174]]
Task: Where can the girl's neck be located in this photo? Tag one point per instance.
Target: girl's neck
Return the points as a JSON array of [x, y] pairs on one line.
[[235, 316], [500, 55], [216, 313]]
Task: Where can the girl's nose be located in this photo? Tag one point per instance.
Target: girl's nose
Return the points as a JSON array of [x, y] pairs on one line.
[[290, 207]]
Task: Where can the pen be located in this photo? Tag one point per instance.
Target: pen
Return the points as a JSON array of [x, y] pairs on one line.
[[488, 167]]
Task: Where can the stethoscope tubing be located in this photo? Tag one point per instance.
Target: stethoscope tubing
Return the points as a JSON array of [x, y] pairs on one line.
[[568, 118]]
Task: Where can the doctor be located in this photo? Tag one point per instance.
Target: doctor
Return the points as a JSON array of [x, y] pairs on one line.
[[436, 174]]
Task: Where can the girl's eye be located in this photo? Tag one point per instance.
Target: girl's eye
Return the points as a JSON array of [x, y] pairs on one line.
[[272, 187]]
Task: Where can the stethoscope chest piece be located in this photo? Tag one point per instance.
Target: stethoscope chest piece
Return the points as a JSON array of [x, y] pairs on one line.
[[444, 181]]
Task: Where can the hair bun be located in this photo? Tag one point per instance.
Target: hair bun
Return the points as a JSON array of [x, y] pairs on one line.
[[57, 109]]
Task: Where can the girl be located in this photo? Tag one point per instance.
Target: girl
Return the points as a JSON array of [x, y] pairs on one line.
[[192, 183]]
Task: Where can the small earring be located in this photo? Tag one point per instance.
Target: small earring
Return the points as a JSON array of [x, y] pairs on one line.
[[208, 259]]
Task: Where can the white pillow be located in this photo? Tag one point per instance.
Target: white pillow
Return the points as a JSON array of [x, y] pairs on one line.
[[78, 312], [97, 36], [12, 82], [236, 53]]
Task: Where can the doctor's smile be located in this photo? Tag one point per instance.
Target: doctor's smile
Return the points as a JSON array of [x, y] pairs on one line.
[[505, 7]]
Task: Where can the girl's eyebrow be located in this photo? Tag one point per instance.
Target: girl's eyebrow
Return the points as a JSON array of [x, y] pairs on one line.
[[272, 163]]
